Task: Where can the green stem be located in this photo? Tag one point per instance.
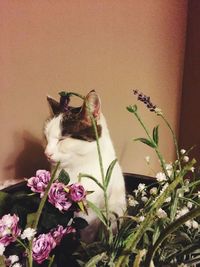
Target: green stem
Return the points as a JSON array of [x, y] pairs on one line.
[[39, 212], [174, 138], [155, 145]]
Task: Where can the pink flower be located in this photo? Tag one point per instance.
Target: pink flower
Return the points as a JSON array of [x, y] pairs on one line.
[[60, 231], [9, 230], [39, 182], [59, 197], [42, 247], [77, 192]]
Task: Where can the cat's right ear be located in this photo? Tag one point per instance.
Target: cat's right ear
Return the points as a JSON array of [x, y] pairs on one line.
[[55, 106]]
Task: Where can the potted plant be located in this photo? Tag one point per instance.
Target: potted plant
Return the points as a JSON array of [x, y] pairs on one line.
[[160, 227]]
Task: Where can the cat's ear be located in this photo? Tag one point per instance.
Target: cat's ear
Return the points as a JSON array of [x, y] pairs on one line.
[[55, 106], [93, 101]]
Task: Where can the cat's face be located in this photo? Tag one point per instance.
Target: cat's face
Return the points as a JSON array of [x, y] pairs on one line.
[[70, 135]]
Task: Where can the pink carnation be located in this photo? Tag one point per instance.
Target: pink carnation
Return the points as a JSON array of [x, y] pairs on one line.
[[42, 247], [59, 197], [9, 230], [60, 231], [77, 192], [39, 182]]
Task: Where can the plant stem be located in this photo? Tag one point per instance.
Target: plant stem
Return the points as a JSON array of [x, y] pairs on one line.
[[155, 145], [39, 212], [174, 138]]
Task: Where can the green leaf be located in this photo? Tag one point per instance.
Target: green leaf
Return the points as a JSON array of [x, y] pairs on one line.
[[63, 177], [30, 219], [82, 175], [155, 134], [132, 108], [98, 212], [3, 200], [95, 260], [109, 172], [146, 141]]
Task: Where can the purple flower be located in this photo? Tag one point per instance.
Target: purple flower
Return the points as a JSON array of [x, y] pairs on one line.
[[59, 197], [60, 231], [42, 246], [9, 230], [77, 192], [39, 182]]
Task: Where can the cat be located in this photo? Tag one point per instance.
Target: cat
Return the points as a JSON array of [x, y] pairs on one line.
[[71, 141]]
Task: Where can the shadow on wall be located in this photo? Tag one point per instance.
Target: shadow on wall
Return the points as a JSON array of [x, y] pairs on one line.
[[26, 162], [190, 112]]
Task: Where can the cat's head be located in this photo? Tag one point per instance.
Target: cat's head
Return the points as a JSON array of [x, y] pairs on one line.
[[69, 132]]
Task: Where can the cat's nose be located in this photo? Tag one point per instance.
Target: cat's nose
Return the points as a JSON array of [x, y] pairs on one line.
[[48, 155]]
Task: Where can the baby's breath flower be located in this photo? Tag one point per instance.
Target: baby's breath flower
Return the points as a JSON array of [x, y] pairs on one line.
[[189, 205], [185, 158], [141, 187], [192, 169], [2, 249], [144, 199], [161, 214], [153, 191], [141, 218], [161, 177], [195, 224], [183, 151], [182, 212], [131, 201], [168, 199], [28, 233], [198, 194]]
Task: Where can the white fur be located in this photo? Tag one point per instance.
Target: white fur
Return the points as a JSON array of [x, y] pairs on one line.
[[77, 156]]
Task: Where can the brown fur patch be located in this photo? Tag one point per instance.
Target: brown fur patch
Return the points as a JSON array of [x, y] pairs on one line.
[[73, 125]]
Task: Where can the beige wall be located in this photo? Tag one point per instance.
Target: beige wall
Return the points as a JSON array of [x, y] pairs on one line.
[[112, 46]]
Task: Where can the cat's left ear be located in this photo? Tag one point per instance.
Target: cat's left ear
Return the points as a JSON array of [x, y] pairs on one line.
[[55, 106], [93, 101]]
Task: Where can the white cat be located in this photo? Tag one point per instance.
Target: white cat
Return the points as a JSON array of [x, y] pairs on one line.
[[71, 141]]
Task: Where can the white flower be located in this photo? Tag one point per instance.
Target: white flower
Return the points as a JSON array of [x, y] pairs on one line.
[[169, 169], [153, 191], [144, 199], [183, 151], [131, 201], [141, 187], [2, 249], [168, 199], [198, 194], [147, 158], [182, 265], [192, 169], [185, 158], [195, 224], [141, 219], [189, 205], [182, 212], [188, 224], [28, 233], [161, 177], [13, 258], [161, 214]]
